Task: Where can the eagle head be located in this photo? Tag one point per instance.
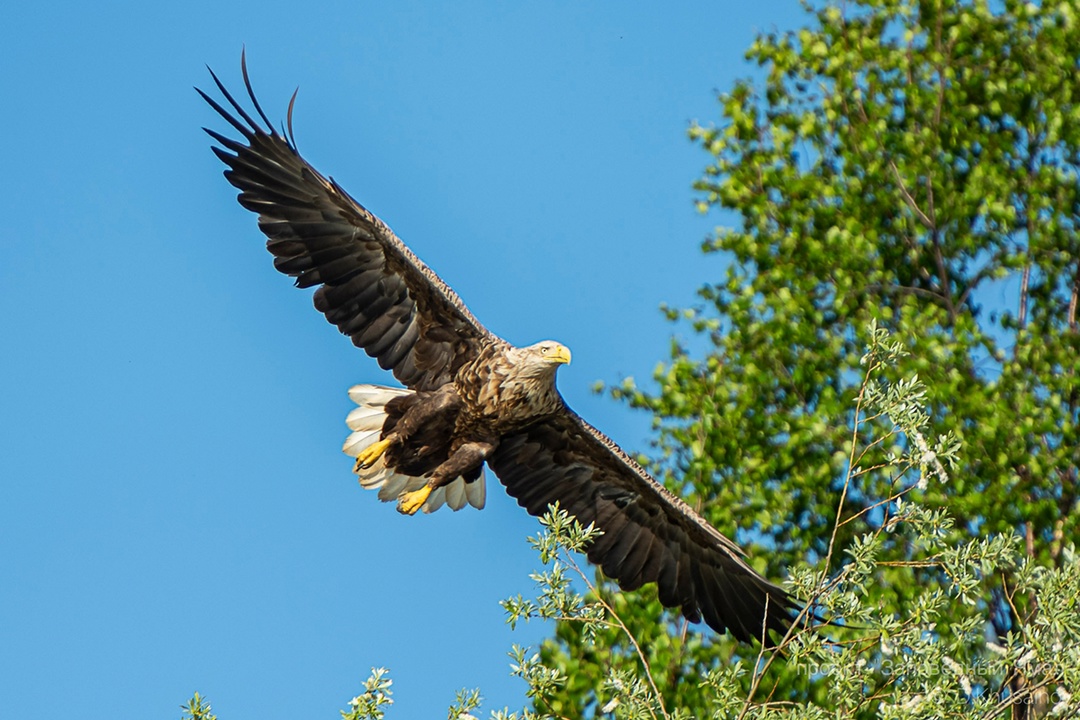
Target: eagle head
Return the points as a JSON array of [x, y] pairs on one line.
[[550, 352], [540, 360]]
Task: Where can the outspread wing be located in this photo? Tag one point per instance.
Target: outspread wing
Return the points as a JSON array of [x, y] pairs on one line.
[[371, 285], [650, 535]]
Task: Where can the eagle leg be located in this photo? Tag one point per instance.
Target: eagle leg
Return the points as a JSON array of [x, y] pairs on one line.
[[466, 458], [409, 502], [371, 454]]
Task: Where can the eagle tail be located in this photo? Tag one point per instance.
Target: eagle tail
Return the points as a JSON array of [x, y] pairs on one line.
[[366, 422]]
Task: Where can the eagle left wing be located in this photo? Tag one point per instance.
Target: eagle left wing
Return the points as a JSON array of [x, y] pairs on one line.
[[650, 535]]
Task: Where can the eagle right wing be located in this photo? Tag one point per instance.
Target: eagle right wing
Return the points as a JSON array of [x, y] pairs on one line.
[[371, 285], [650, 535]]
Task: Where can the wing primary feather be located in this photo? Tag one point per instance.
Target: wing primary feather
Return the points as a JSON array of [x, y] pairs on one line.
[[253, 126], [260, 174], [292, 103], [226, 141], [250, 92], [245, 131]]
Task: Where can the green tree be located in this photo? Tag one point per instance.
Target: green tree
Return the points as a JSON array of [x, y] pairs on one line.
[[914, 165]]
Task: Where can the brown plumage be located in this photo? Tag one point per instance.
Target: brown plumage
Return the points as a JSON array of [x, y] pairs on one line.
[[470, 398]]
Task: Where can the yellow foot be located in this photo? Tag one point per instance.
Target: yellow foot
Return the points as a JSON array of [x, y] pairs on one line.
[[409, 502], [371, 454]]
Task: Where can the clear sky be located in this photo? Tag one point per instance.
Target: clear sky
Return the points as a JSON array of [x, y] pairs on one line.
[[176, 512]]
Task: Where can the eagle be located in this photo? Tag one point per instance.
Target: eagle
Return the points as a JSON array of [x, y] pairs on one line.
[[470, 399]]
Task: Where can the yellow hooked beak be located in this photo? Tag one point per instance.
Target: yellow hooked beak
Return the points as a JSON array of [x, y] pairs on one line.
[[560, 354]]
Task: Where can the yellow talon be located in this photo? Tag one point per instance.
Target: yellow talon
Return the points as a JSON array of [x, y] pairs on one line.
[[409, 502], [371, 454]]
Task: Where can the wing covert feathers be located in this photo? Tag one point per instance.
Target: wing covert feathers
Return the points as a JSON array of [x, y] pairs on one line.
[[650, 535], [368, 282]]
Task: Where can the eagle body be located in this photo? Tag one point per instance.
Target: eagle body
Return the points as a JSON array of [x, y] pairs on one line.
[[470, 401], [447, 433]]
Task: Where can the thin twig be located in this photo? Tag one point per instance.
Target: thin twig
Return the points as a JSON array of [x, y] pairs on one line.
[[886, 501], [1023, 696], [788, 636], [1072, 300], [1024, 280], [914, 206], [851, 464], [863, 471], [908, 563]]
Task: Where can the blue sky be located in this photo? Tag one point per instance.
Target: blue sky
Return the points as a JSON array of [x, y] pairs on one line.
[[177, 514]]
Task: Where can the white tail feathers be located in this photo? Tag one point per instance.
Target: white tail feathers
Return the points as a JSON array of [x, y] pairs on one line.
[[457, 493], [366, 418], [366, 423], [375, 395], [359, 441]]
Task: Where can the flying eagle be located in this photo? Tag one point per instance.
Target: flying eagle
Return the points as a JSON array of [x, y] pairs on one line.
[[470, 398]]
